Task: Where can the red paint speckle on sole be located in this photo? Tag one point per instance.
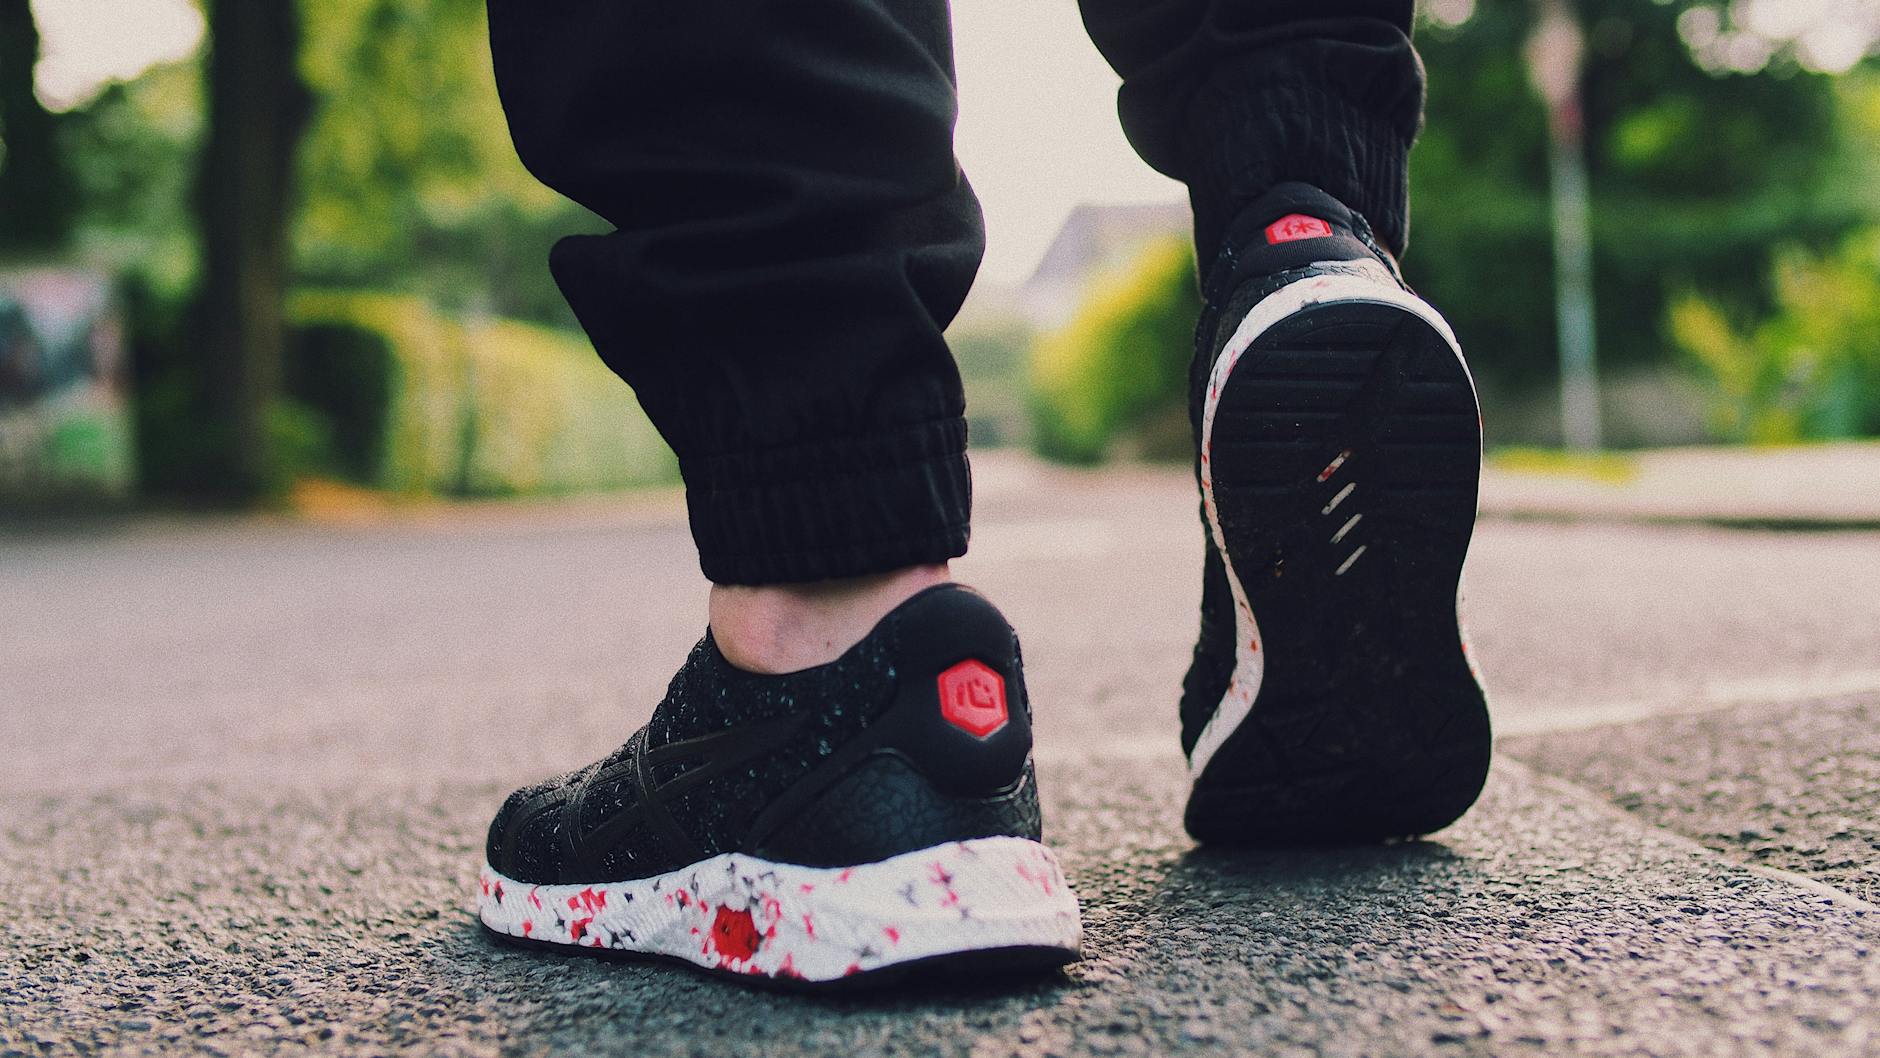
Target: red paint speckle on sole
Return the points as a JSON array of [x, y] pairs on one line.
[[734, 936]]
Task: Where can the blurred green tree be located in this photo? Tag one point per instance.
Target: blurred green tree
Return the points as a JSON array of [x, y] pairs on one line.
[[1810, 371], [1120, 366], [412, 183], [402, 178], [132, 152], [38, 202], [1698, 177], [1702, 177], [406, 181], [257, 109]]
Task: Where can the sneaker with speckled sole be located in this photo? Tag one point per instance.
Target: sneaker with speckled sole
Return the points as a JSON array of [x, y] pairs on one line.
[[1331, 696], [846, 824]]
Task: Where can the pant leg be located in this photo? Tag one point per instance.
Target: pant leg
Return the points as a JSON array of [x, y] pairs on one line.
[[793, 234], [1234, 96]]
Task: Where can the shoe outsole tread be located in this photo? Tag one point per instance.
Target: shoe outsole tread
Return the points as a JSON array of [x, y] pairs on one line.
[[1369, 722]]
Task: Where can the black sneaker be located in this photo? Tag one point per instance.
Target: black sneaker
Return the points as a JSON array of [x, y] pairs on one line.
[[1331, 696], [848, 821]]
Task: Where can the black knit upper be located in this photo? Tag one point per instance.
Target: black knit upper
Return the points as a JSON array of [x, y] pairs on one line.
[[725, 745]]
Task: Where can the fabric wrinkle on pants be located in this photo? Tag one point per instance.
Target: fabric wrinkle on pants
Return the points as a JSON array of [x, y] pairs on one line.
[[793, 234]]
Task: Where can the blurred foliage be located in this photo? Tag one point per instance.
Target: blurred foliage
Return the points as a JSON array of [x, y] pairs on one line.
[[1610, 468], [408, 181], [1121, 362], [1810, 370], [387, 391], [132, 152], [408, 184], [346, 372], [73, 451], [409, 176], [1697, 179], [479, 408], [1701, 180]]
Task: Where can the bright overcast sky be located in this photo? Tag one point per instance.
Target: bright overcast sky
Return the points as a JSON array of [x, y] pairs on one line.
[[85, 43], [1038, 130], [1037, 125]]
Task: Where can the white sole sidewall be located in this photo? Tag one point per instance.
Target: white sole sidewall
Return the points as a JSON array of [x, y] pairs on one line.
[[747, 915]]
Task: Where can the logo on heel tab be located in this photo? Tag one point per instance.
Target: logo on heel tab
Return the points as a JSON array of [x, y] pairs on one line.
[[972, 698], [1296, 228]]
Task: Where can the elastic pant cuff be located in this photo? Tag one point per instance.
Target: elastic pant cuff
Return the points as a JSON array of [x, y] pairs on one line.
[[845, 507], [1246, 141]]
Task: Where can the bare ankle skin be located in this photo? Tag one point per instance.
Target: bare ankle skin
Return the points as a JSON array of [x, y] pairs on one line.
[[781, 628]]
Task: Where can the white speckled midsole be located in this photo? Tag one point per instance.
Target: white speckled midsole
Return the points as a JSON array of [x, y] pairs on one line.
[[746, 915]]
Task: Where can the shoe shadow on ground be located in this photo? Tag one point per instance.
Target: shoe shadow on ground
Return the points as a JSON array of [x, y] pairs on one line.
[[938, 985], [1232, 911], [1168, 936], [337, 921], [1264, 875]]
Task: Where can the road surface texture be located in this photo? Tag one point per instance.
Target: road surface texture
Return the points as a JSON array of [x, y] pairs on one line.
[[249, 764]]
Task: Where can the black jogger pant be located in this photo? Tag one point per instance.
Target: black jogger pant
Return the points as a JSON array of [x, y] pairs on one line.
[[793, 234]]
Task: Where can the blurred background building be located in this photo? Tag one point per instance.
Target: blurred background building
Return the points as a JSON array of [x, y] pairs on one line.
[[250, 244]]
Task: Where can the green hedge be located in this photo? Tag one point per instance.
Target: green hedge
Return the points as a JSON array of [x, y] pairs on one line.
[[1808, 372], [1118, 370], [415, 401]]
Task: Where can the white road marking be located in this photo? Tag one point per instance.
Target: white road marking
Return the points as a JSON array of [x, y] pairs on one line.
[[1514, 717]]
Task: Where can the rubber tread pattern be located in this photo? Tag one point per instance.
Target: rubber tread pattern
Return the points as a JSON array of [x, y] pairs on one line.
[[1369, 723]]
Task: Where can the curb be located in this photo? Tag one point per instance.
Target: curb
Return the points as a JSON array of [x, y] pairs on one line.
[[1813, 488]]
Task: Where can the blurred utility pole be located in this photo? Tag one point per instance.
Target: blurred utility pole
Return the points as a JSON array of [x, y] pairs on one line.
[[1556, 60], [257, 111]]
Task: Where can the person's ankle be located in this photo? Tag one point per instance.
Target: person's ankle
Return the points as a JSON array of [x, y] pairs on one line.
[[780, 628]]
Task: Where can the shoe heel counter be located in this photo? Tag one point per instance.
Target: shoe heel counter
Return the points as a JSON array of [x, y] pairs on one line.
[[948, 760], [885, 807], [961, 715]]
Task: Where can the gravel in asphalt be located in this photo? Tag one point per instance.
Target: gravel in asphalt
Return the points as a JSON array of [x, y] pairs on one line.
[[1795, 786], [250, 764], [338, 921]]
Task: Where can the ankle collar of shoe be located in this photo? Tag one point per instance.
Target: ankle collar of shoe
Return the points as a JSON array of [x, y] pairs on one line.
[[1248, 248]]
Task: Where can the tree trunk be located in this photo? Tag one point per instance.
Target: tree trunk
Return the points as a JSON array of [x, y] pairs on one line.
[[37, 199], [257, 111]]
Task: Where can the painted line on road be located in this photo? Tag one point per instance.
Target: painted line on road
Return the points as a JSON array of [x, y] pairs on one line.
[[1555, 717], [1514, 719], [1159, 751]]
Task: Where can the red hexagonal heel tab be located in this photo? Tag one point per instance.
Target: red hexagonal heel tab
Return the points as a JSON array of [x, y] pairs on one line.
[[1297, 227], [972, 698]]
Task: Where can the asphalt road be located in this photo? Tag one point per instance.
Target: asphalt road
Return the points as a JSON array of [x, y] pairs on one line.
[[249, 765]]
